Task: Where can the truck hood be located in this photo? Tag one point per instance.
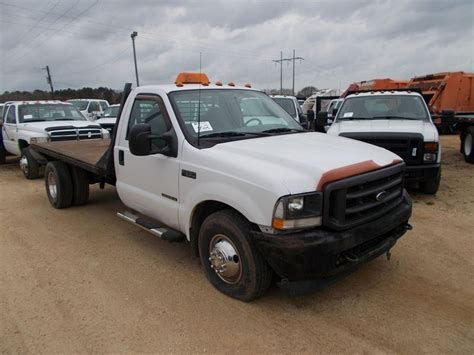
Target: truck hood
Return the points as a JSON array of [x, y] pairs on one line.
[[106, 120], [427, 129], [299, 161], [41, 126]]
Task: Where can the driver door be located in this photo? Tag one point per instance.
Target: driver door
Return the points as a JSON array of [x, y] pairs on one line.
[[148, 184], [10, 132]]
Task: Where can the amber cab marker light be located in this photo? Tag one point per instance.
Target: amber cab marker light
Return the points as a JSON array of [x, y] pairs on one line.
[[192, 78], [231, 84], [248, 85], [218, 83]]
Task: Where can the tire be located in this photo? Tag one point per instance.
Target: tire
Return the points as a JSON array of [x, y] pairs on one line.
[[58, 184], [431, 187], [468, 145], [3, 155], [80, 184], [247, 275], [28, 165]]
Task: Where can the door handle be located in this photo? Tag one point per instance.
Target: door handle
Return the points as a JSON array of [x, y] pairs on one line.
[[121, 157]]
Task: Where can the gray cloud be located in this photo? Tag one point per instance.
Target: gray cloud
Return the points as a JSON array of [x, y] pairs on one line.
[[87, 42]]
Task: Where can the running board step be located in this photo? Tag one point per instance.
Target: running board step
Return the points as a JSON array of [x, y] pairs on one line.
[[152, 226]]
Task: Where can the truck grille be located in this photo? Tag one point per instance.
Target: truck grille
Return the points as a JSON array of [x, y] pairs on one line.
[[66, 134], [362, 198], [408, 146]]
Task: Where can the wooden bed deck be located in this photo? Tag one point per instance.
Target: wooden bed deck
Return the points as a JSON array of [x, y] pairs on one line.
[[83, 153]]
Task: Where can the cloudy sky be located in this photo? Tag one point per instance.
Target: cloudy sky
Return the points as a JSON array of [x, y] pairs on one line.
[[87, 42]]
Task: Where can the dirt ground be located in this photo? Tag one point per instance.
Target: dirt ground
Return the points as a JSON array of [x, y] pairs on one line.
[[81, 280]]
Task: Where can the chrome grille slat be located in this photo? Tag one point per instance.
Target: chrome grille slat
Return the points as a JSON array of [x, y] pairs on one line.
[[75, 133]]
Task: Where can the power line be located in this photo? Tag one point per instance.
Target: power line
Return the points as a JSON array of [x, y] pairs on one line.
[[281, 60]]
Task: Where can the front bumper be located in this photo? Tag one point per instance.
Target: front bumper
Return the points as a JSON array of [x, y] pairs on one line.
[[321, 253], [421, 172]]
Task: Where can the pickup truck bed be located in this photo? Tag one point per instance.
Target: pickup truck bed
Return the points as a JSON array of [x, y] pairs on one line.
[[85, 154]]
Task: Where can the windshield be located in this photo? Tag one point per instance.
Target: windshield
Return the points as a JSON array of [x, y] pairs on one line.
[[81, 105], [383, 107], [287, 104], [111, 111], [231, 113], [48, 112]]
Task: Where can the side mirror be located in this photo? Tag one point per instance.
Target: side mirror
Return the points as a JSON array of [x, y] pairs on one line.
[[310, 115], [322, 118], [142, 142]]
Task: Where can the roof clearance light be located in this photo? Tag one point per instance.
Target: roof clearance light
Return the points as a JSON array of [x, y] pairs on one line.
[[248, 85], [231, 84], [218, 83], [192, 78]]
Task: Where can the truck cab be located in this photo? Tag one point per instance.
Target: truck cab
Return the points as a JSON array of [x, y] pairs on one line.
[[291, 105], [228, 171], [26, 122], [400, 122], [90, 108]]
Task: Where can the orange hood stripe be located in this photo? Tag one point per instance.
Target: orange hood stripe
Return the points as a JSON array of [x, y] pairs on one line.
[[350, 170]]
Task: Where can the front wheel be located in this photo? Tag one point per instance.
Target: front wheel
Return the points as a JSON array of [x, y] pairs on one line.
[[231, 262], [431, 186], [467, 148], [28, 165]]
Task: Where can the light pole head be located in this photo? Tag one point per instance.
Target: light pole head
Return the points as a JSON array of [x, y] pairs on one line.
[[134, 34]]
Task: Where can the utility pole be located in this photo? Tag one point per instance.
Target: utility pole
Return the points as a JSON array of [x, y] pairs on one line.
[[49, 80], [133, 35], [281, 60]]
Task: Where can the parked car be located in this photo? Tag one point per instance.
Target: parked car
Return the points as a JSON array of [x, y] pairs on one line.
[[108, 118], [27, 122], [332, 109], [90, 108], [251, 195], [398, 121], [290, 104]]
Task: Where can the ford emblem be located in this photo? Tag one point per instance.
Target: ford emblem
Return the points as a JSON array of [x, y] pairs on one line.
[[381, 195]]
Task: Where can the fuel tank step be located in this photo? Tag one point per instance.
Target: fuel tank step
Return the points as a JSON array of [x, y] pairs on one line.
[[152, 226]]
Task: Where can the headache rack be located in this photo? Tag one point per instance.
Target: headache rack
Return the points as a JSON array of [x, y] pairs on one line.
[[362, 198]]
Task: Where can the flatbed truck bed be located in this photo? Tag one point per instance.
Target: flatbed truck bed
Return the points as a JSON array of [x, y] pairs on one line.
[[86, 154]]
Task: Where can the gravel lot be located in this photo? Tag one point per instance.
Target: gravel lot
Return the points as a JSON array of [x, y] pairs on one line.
[[81, 280]]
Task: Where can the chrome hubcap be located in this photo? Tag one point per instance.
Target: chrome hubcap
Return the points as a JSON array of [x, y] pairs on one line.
[[52, 187], [24, 164], [468, 145], [225, 259]]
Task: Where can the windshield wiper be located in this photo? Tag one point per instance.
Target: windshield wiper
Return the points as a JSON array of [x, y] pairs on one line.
[[282, 130], [232, 134], [34, 120]]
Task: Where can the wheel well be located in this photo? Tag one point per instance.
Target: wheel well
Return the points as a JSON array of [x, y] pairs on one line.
[[22, 144], [200, 213]]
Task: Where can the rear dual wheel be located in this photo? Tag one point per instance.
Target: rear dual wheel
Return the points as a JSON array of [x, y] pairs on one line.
[[467, 145], [65, 186]]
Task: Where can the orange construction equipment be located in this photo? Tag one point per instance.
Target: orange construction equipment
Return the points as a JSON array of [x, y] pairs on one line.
[[376, 85], [450, 91]]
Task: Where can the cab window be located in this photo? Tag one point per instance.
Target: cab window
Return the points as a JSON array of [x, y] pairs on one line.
[[11, 115], [103, 105], [93, 107], [147, 110]]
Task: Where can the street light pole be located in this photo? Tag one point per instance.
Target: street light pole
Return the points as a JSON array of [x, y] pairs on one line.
[[133, 35]]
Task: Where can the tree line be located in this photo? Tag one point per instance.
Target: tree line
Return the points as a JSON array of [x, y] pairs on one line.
[[104, 93]]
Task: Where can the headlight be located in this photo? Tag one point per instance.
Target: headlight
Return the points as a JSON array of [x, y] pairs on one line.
[[430, 152], [105, 134], [298, 211], [39, 140]]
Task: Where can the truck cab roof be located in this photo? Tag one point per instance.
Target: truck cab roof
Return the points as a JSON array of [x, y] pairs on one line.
[[384, 93]]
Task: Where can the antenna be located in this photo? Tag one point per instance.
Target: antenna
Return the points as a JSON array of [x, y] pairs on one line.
[[199, 99]]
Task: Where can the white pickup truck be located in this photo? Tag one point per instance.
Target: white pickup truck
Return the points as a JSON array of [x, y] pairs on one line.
[[26, 122], [398, 121], [253, 195]]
